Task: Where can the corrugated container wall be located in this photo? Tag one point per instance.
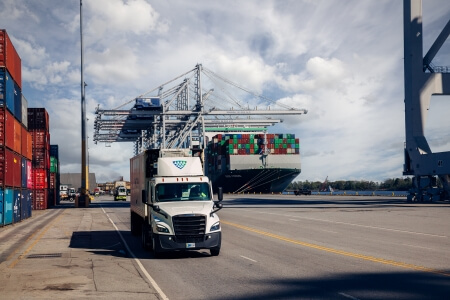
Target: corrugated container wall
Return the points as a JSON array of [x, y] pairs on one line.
[[6, 89], [9, 58], [24, 111]]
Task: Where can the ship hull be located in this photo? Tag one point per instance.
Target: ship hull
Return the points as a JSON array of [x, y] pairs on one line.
[[255, 180]]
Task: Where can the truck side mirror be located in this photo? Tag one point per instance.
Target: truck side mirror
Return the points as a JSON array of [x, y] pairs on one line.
[[144, 196], [220, 194]]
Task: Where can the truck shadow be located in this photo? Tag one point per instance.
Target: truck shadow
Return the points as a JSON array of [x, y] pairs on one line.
[[109, 243]]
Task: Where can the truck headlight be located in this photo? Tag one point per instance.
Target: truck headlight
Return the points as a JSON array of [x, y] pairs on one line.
[[215, 227], [161, 228]]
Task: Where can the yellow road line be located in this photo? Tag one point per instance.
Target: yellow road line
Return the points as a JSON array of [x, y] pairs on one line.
[[340, 252], [14, 263]]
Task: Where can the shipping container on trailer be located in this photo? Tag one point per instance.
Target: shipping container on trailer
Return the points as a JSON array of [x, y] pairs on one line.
[[8, 199], [25, 204], [9, 58], [39, 197], [16, 206]]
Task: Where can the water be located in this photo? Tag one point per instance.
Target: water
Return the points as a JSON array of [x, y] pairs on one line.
[[359, 193]]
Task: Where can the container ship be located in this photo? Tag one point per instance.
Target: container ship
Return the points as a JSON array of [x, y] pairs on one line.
[[253, 163]]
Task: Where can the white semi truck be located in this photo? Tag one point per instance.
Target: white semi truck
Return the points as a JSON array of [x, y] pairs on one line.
[[172, 204]]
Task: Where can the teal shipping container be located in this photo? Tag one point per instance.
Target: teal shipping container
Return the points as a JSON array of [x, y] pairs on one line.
[[8, 199]]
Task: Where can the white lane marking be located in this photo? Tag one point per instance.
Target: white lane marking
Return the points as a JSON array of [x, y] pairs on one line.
[[152, 281], [248, 258], [350, 224], [324, 230], [348, 296], [428, 248]]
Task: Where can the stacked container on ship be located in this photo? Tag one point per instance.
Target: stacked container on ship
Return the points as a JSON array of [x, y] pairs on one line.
[[38, 125], [15, 140], [253, 162]]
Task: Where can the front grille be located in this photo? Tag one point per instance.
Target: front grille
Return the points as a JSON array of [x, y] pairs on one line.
[[189, 226]]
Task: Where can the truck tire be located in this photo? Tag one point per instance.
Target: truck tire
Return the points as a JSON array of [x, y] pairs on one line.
[[156, 247], [134, 225], [145, 239], [214, 251]]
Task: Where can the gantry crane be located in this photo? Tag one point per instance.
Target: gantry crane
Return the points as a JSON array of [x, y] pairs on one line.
[[422, 80], [184, 110]]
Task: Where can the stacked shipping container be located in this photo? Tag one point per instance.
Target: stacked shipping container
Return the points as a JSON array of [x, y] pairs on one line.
[[54, 180], [15, 140], [38, 125], [224, 145]]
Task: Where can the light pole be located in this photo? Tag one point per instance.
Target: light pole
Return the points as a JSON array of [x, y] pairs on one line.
[[83, 200]]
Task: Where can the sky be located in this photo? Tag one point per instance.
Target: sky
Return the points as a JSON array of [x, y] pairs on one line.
[[342, 60]]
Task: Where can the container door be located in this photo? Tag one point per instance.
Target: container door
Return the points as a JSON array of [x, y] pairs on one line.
[[16, 206], [1, 208], [24, 202], [8, 206]]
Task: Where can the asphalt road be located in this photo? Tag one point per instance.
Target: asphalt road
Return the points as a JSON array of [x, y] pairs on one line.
[[309, 247]]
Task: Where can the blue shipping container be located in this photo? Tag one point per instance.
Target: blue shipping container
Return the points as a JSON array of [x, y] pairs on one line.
[[54, 151], [16, 207], [6, 90], [1, 207], [24, 172], [25, 204], [18, 102], [8, 200]]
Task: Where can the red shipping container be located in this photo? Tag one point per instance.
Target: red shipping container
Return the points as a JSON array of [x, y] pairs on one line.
[[40, 197], [41, 158], [12, 169], [23, 138], [9, 58], [17, 137], [9, 130], [39, 178], [38, 119], [52, 180], [29, 175], [27, 149]]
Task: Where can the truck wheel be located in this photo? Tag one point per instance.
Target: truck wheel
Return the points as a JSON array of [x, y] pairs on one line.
[[214, 251], [155, 247], [134, 225], [145, 240]]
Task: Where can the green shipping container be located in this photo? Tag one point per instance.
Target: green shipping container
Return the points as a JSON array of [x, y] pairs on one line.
[[53, 165]]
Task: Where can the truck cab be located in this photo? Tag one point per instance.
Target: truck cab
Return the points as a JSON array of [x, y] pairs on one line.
[[172, 204]]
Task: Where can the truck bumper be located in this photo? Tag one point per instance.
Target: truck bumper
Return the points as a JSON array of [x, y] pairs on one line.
[[208, 241]]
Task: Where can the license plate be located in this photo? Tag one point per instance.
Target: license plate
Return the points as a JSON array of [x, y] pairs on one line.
[[190, 245]]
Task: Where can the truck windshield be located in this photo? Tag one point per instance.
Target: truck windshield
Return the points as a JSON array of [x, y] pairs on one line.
[[166, 192]]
